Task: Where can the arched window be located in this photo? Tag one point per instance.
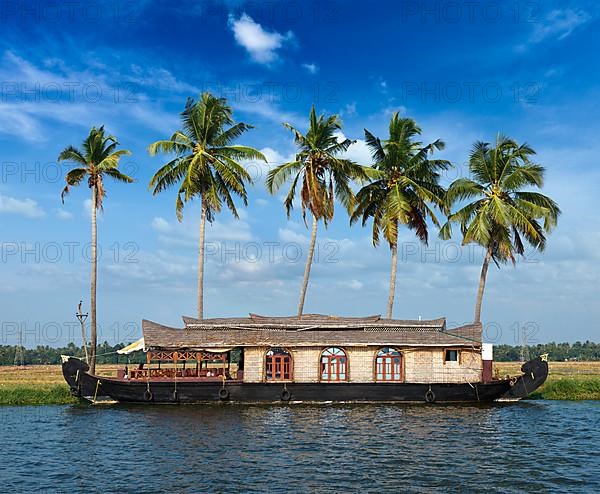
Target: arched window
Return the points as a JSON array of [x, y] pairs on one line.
[[388, 365], [334, 365], [278, 365]]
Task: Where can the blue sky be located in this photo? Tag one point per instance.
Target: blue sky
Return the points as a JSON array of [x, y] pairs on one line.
[[463, 70]]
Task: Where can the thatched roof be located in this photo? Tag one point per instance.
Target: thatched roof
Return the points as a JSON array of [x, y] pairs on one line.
[[310, 330]]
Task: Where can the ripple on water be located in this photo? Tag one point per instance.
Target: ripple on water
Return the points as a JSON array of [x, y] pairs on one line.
[[530, 446]]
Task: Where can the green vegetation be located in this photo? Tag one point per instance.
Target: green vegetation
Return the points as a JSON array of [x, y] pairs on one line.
[[401, 185], [404, 181], [502, 216], [320, 174], [569, 389], [35, 394], [45, 355], [558, 352], [206, 165]]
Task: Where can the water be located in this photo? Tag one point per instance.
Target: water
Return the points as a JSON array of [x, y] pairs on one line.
[[539, 446]]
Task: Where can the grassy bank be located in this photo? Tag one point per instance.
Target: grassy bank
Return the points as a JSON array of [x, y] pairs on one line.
[[35, 394], [44, 384], [38, 385]]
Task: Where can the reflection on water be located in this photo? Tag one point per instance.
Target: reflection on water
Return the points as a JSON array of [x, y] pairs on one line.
[[529, 446]]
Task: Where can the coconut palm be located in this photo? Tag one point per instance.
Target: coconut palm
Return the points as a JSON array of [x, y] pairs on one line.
[[501, 216], [320, 175], [405, 185], [206, 165], [97, 159]]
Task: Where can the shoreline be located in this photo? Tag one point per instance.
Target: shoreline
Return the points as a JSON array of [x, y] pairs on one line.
[[563, 389], [44, 384]]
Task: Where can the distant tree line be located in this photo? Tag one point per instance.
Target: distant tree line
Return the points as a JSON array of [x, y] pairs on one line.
[[49, 355], [588, 351]]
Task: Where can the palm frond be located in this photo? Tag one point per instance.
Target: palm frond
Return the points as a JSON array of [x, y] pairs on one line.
[[71, 153], [280, 174]]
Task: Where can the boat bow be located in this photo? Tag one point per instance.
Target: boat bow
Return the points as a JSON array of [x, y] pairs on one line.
[[534, 375]]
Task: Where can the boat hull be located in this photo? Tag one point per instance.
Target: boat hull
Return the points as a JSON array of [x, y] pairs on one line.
[[199, 392], [101, 389]]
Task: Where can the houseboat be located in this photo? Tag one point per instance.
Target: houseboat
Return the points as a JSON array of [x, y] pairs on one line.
[[314, 358]]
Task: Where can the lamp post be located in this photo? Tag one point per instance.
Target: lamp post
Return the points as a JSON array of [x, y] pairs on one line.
[[82, 317]]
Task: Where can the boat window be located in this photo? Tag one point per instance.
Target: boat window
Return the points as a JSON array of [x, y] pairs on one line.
[[388, 365], [451, 355], [334, 365], [278, 365]]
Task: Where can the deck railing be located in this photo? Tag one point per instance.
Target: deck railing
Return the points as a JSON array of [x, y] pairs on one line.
[[170, 373]]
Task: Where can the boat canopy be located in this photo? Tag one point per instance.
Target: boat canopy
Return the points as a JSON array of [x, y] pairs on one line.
[[133, 347], [215, 335]]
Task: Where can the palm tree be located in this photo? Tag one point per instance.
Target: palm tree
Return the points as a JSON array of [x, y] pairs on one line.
[[97, 158], [502, 216], [206, 165], [320, 175], [405, 180]]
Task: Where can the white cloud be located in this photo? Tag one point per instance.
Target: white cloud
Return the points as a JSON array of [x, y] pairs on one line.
[[275, 158], [27, 110], [160, 78], [262, 45], [63, 215], [559, 24], [267, 109], [87, 207], [24, 207], [185, 234], [354, 285], [311, 67], [235, 231], [287, 235], [259, 170], [358, 151], [349, 109], [390, 110], [161, 225]]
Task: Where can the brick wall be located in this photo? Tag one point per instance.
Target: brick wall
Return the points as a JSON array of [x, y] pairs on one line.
[[254, 362], [427, 365], [360, 362], [420, 365], [306, 364]]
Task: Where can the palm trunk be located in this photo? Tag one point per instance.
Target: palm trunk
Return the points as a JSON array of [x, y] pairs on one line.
[[484, 270], [93, 335], [201, 263], [392, 294], [311, 251]]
